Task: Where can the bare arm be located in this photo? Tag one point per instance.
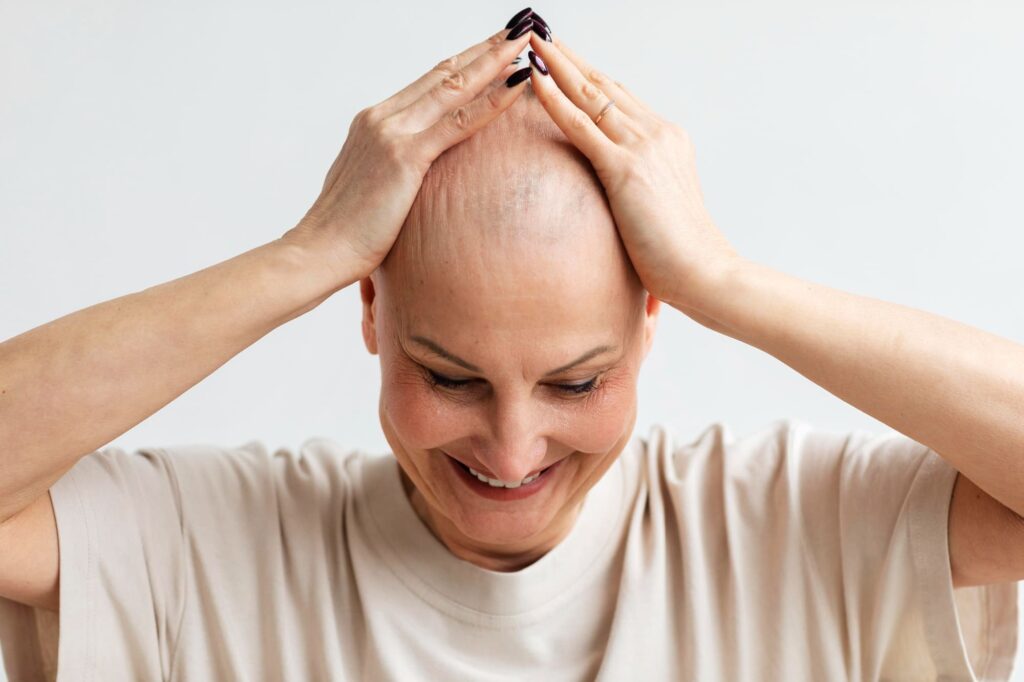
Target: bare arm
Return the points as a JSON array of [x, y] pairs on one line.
[[74, 384], [957, 389]]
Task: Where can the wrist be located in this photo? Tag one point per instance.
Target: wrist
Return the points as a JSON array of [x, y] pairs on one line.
[[329, 264], [309, 275], [703, 289]]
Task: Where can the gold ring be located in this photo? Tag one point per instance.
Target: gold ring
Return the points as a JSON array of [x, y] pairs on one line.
[[601, 113]]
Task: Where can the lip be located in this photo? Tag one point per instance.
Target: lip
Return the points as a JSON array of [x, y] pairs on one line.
[[503, 494]]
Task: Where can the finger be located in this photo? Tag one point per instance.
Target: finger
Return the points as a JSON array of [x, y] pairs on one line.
[[448, 66], [466, 120], [616, 123], [623, 97], [514, 66], [574, 122], [460, 87]]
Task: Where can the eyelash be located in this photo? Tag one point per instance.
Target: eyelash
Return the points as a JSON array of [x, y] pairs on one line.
[[454, 384]]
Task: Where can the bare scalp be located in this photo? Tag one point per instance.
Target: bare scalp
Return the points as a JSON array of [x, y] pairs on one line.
[[515, 186]]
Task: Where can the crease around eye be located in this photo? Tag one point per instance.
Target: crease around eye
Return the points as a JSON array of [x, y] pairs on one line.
[[448, 382]]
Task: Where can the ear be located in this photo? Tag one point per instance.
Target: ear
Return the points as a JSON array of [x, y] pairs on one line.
[[651, 311], [368, 294]]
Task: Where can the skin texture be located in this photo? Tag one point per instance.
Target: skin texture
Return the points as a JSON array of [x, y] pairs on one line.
[[510, 260]]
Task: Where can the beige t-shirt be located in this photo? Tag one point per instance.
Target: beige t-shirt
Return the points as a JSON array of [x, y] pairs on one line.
[[790, 554]]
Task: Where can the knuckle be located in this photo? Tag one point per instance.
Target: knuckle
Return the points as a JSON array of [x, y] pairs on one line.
[[496, 39], [597, 78], [460, 118], [369, 120], [590, 91], [491, 59], [577, 119], [448, 66], [363, 117], [492, 100], [357, 121], [454, 82], [378, 124]]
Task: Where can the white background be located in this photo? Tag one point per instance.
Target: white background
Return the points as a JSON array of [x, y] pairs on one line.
[[874, 147]]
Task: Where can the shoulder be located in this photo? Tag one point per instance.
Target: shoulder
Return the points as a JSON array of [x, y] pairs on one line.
[[248, 476], [319, 463], [782, 443], [791, 467], [717, 451]]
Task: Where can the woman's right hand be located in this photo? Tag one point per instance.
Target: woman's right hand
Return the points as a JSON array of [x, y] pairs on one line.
[[372, 184]]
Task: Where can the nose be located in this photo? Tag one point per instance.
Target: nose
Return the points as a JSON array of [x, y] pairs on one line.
[[517, 445]]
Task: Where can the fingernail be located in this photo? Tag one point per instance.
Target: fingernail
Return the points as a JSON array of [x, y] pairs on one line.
[[540, 20], [520, 28], [517, 60], [517, 17], [518, 77], [538, 62], [540, 30]]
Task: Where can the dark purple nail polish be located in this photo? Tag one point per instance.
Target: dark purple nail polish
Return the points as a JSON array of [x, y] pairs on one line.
[[540, 20], [541, 31], [520, 28], [538, 62], [518, 77], [518, 16]]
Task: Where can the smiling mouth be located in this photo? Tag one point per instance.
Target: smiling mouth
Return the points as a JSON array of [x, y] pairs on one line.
[[480, 475], [495, 483]]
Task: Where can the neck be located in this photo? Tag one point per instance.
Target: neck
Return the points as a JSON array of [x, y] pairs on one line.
[[504, 559]]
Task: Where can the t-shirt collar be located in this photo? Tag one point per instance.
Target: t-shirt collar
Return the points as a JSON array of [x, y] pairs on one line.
[[429, 568]]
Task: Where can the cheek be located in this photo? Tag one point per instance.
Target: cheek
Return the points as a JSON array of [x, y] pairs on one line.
[[417, 414], [598, 424]]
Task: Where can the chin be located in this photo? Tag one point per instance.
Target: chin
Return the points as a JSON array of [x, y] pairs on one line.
[[503, 528]]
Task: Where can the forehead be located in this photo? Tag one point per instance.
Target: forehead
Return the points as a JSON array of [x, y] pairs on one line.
[[529, 302]]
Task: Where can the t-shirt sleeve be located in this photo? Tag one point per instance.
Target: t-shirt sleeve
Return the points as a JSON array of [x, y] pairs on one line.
[[875, 507], [120, 543], [184, 562]]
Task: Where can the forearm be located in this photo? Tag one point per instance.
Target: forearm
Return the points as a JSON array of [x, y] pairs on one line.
[[957, 389], [76, 383]]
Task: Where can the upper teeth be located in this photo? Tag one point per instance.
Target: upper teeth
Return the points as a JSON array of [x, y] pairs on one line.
[[495, 483]]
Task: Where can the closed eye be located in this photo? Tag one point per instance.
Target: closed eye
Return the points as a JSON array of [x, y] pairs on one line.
[[460, 384]]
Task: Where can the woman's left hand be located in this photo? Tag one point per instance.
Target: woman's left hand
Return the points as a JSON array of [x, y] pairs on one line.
[[647, 166]]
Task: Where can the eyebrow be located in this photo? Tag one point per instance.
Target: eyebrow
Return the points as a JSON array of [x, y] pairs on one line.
[[438, 350]]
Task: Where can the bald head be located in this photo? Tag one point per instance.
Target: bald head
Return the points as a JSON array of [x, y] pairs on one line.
[[515, 188], [509, 220]]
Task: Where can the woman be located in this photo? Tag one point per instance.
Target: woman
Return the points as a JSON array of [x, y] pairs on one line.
[[511, 285]]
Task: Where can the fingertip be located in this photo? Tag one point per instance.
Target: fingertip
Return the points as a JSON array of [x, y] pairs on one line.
[[536, 41], [519, 77], [540, 77]]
